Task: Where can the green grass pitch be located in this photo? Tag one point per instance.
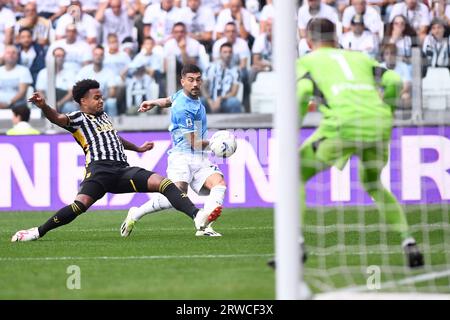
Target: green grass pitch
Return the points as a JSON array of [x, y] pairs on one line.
[[162, 259]]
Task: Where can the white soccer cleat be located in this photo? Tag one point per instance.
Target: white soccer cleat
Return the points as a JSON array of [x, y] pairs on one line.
[[128, 224], [203, 219], [208, 232], [26, 235]]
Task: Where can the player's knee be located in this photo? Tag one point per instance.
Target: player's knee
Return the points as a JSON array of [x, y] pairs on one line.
[[154, 182], [221, 183], [164, 183], [78, 207]]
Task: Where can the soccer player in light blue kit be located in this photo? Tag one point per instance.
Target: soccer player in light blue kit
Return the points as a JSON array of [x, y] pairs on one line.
[[188, 163]]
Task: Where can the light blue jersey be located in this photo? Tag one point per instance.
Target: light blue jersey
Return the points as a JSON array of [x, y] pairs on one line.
[[188, 115]]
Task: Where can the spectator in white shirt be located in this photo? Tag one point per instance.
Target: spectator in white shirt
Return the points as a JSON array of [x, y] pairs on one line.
[[78, 52], [262, 52], [7, 22], [153, 62], [440, 9], [215, 5], [237, 14], [49, 9], [87, 26], [359, 39], [40, 26], [314, 9], [200, 22], [107, 79], [129, 46], [372, 19], [64, 81], [241, 52], [221, 84], [92, 6], [183, 47], [14, 79], [115, 60], [267, 13], [116, 18], [391, 62], [340, 5], [436, 46], [159, 19], [400, 33], [416, 13]]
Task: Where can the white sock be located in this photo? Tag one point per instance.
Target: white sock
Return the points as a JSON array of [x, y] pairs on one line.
[[157, 203], [215, 198]]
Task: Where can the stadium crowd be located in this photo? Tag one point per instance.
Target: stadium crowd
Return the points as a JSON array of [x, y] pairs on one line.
[[127, 45]]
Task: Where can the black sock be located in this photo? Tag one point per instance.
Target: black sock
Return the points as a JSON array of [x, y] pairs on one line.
[[62, 217], [177, 198]]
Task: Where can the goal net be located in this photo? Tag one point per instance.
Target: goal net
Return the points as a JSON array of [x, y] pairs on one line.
[[351, 250]]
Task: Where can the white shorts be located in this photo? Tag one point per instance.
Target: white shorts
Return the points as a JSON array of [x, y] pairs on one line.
[[193, 169]]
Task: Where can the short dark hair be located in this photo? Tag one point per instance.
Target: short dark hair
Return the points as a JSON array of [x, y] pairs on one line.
[[321, 30], [226, 44], [179, 24], [22, 111], [24, 29], [80, 88], [58, 48], [190, 68], [231, 23], [99, 46]]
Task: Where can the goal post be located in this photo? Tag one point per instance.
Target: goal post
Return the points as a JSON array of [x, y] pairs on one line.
[[287, 214]]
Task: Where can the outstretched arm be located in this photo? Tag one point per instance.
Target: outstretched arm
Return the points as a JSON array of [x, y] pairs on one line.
[[392, 84], [146, 146], [305, 89], [149, 104], [50, 113]]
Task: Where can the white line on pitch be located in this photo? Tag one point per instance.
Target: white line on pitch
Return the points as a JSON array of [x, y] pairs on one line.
[[405, 281], [207, 256], [159, 229]]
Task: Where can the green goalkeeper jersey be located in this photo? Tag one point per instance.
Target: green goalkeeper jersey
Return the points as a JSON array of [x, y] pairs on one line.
[[355, 94]]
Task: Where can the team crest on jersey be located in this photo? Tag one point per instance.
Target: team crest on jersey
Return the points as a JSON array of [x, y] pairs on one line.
[[188, 122]]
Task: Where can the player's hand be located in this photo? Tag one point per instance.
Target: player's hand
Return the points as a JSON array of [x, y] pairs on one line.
[[146, 106], [146, 146], [38, 100]]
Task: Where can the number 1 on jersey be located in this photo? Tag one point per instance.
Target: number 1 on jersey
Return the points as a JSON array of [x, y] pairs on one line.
[[344, 66]]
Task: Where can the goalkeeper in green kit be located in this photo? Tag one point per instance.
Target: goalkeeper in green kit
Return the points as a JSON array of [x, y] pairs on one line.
[[357, 121]]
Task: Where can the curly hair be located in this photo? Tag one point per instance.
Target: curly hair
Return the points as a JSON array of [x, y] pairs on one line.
[[82, 87]]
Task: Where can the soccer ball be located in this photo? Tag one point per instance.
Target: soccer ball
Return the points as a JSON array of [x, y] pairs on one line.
[[223, 144]]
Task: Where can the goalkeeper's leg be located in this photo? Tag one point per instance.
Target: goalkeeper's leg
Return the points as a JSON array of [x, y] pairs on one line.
[[370, 175]]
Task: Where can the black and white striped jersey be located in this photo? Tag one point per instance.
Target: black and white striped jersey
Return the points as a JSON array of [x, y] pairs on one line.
[[97, 136]]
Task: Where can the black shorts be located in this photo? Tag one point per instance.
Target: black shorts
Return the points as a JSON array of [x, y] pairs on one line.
[[115, 177]]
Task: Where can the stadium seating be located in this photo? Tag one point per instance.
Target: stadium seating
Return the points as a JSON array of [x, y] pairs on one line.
[[262, 98], [436, 89]]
